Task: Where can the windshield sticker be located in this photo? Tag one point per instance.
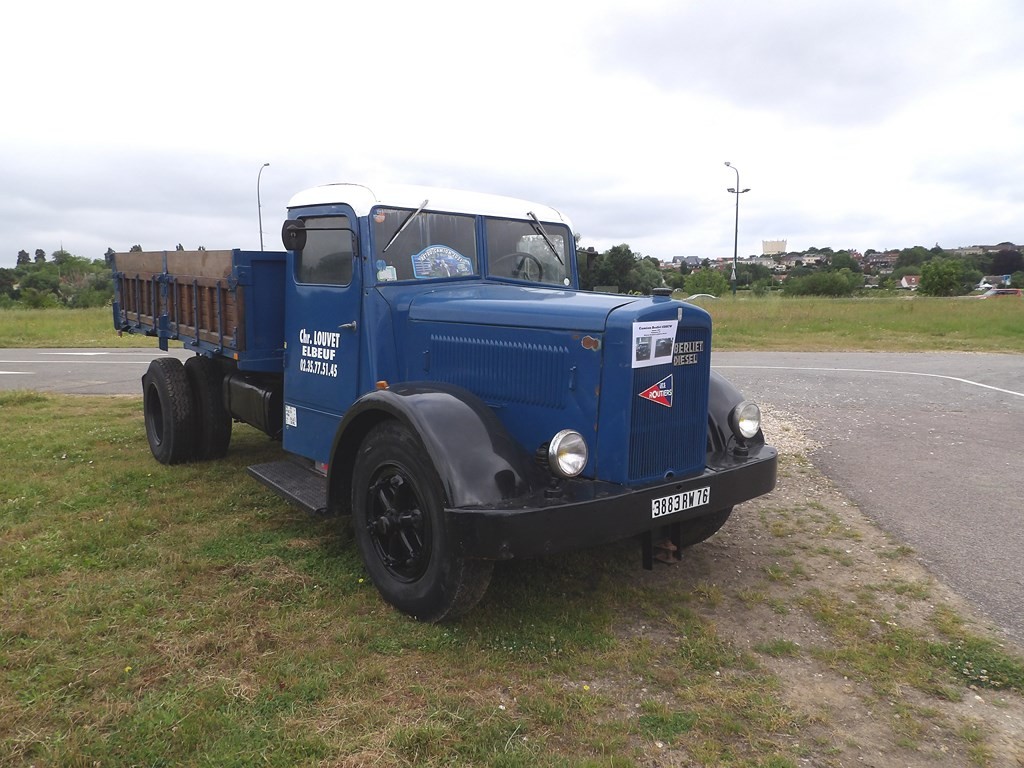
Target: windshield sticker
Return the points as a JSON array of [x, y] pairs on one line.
[[653, 342], [660, 393], [318, 350], [440, 261]]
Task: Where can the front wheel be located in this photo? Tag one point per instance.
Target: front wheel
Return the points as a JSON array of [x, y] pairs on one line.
[[400, 527], [701, 528]]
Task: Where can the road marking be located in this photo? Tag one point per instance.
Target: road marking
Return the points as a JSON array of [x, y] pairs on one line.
[[74, 362], [17, 373], [83, 354], [871, 370]]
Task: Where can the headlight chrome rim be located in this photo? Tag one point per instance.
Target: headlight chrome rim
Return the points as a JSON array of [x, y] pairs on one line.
[[745, 420], [567, 453]]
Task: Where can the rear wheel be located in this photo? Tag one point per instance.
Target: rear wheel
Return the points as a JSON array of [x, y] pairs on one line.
[[400, 527], [212, 419], [167, 406]]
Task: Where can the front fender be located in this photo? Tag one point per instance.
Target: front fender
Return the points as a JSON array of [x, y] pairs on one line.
[[478, 463], [722, 398]]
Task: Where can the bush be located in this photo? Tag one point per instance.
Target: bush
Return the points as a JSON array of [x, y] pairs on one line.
[[706, 281], [841, 283]]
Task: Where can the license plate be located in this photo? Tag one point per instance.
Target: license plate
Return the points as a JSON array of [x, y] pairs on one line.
[[678, 502]]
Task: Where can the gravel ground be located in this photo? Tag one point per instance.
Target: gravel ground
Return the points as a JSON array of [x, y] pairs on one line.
[[780, 555]]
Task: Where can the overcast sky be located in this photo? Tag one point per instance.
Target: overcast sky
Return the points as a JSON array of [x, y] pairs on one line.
[[869, 124]]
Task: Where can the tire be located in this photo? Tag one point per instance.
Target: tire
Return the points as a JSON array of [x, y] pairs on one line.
[[167, 407], [212, 427], [702, 528], [400, 527]]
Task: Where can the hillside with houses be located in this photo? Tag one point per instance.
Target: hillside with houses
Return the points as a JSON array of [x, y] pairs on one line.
[[975, 267]]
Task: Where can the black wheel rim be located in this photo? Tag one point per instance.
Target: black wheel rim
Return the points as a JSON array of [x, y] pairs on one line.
[[154, 415], [398, 528]]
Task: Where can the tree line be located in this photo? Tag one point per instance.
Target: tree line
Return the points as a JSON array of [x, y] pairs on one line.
[[817, 272], [63, 280], [942, 273]]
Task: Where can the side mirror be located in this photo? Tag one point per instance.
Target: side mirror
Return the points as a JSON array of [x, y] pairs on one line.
[[293, 234]]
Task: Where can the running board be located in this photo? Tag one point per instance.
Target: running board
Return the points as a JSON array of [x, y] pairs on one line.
[[296, 484]]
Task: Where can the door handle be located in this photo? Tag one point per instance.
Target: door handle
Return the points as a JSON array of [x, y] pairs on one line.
[[353, 326]]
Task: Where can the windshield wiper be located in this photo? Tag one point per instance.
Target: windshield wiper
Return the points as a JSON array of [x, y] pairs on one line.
[[539, 229], [404, 224]]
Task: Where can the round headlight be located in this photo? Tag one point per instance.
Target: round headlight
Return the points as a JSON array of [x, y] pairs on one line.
[[567, 453], [745, 419]]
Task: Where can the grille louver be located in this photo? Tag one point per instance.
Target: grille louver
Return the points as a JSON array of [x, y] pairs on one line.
[[671, 440]]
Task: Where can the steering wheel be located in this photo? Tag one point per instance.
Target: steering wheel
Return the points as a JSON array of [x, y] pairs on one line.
[[528, 267]]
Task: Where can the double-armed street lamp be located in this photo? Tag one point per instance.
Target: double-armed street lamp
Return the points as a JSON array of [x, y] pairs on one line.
[[259, 207], [736, 231]]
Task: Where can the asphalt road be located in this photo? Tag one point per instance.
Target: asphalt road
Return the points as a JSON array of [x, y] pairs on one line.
[[78, 371], [928, 445]]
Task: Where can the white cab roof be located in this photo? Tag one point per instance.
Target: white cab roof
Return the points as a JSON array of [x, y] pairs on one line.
[[363, 197]]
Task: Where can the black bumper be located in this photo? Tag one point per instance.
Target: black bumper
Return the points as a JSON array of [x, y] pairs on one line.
[[584, 514]]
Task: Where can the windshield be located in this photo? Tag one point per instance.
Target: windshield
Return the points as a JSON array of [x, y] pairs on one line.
[[431, 245], [519, 250]]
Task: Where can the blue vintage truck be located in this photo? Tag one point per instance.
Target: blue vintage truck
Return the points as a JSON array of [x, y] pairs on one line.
[[432, 369]]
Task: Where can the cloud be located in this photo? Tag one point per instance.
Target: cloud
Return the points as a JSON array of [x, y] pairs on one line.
[[854, 124], [824, 62]]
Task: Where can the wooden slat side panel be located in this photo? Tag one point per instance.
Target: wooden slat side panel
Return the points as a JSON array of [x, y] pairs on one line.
[[185, 300], [211, 264]]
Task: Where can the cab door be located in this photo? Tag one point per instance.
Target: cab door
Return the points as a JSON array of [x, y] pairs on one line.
[[323, 324]]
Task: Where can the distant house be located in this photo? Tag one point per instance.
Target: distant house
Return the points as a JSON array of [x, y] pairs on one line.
[[882, 263], [910, 282], [693, 262]]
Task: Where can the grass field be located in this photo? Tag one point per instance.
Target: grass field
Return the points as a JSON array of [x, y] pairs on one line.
[[166, 616], [907, 324], [55, 328], [890, 324]]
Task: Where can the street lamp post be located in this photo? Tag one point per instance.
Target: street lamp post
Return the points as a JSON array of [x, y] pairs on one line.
[[736, 230], [259, 206]]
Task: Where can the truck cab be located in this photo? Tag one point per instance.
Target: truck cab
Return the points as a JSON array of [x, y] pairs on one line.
[[433, 370]]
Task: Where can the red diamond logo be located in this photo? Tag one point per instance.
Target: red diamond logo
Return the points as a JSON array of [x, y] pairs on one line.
[[660, 393]]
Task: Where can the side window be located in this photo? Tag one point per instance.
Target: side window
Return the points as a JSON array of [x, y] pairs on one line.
[[327, 257]]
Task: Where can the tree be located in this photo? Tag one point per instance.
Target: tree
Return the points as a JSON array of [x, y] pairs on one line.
[[23, 258], [1006, 262], [844, 260], [135, 248], [645, 276], [748, 274], [942, 277], [675, 280], [912, 256], [613, 267], [40, 256], [8, 279], [706, 281]]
